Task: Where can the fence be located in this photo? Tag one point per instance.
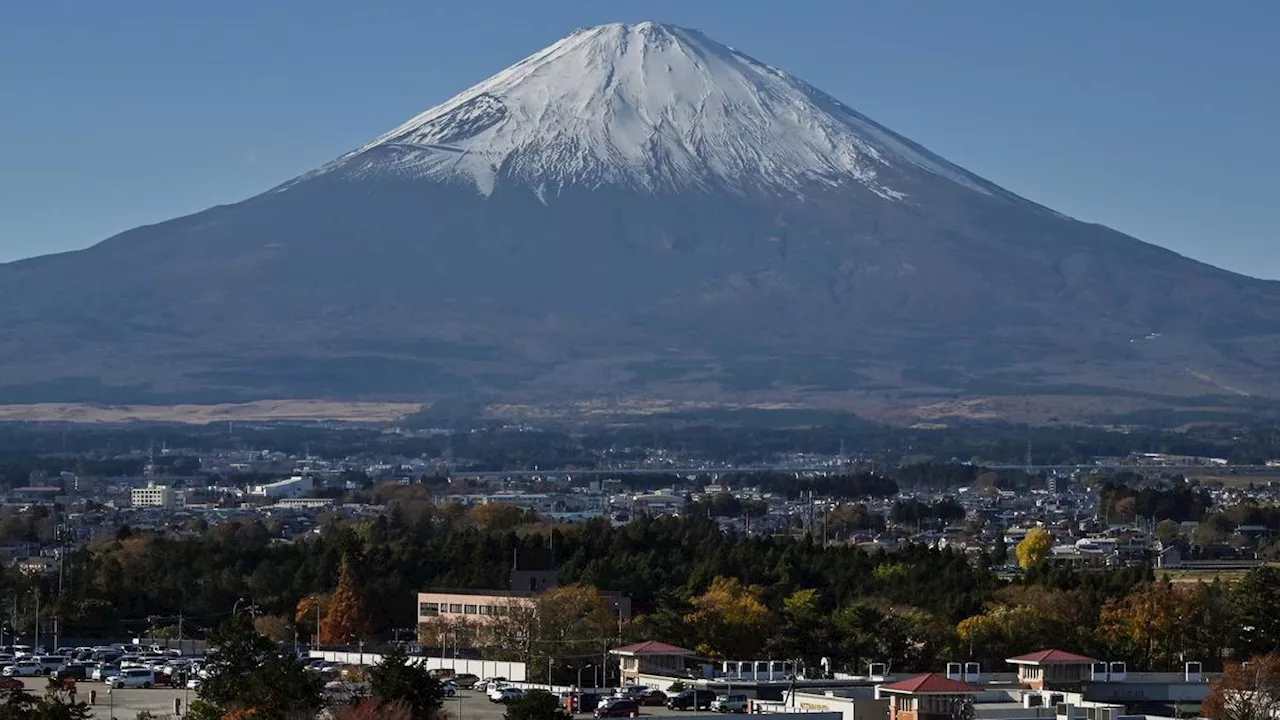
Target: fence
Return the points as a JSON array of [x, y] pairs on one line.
[[513, 671]]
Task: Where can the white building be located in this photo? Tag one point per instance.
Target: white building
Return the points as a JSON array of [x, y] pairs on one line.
[[296, 486], [161, 496]]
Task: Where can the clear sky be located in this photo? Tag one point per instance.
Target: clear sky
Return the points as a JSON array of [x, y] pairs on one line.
[[1160, 118]]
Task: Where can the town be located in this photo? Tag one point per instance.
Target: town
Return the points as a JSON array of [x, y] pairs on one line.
[[796, 582]]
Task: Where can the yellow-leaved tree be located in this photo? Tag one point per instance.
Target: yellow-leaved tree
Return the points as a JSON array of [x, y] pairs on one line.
[[729, 619], [1034, 548]]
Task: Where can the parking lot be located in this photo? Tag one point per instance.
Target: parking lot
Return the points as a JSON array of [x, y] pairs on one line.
[[123, 704], [468, 705]]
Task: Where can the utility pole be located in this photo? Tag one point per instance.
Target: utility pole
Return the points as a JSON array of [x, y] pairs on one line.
[[36, 645]]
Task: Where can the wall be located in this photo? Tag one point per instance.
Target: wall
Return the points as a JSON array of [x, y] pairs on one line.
[[514, 671]]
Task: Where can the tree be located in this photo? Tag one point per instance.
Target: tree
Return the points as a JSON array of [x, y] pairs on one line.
[[729, 619], [803, 634], [250, 673], [567, 621], [276, 627], [1147, 624], [55, 704], [395, 681], [347, 620], [310, 612], [1168, 530], [497, 516], [1034, 548], [536, 705], [1246, 691], [1257, 600]]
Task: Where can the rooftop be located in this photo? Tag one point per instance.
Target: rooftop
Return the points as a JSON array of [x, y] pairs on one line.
[[651, 647], [930, 684], [1050, 657]]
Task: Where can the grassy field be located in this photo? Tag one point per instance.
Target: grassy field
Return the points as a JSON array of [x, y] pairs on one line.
[[257, 410]]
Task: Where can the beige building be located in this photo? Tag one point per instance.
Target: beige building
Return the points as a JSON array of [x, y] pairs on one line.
[[161, 496], [458, 617]]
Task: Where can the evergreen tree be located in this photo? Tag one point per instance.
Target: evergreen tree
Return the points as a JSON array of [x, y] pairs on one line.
[[394, 681], [536, 705]]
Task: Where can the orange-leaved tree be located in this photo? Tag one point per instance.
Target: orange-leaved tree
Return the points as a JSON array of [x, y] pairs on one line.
[[347, 620], [310, 612], [1246, 691]]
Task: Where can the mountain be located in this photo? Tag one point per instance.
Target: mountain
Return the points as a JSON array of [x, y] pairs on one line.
[[640, 214]]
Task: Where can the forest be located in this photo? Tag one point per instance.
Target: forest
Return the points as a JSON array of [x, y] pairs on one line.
[[727, 594]]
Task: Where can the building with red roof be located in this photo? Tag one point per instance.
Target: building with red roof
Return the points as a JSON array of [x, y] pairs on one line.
[[651, 658], [1052, 669], [931, 696]]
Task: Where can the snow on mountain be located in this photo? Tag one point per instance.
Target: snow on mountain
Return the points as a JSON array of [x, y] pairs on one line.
[[646, 106]]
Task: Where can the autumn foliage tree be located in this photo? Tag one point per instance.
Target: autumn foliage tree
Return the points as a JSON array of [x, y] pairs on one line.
[[729, 619], [347, 620], [1034, 548], [1158, 623], [1246, 691], [310, 612]]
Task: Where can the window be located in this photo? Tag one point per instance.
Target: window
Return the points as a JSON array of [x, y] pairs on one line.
[[469, 609], [428, 609], [455, 607], [485, 610]]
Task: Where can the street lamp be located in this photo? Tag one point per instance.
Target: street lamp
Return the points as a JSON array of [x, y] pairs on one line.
[[580, 669]]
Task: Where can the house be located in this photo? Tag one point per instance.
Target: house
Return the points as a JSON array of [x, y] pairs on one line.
[[1052, 669], [1170, 555], [650, 658], [931, 696]]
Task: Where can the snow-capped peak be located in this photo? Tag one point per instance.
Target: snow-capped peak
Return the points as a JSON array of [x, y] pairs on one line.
[[647, 106]]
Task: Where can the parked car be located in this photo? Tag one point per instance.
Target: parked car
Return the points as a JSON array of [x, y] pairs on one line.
[[24, 668], [653, 698], [465, 680], [488, 684], [505, 694], [691, 700], [102, 671], [632, 692], [132, 678], [51, 662], [729, 703], [449, 689], [71, 671], [618, 707]]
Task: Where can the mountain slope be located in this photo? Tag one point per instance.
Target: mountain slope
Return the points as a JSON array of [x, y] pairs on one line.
[[635, 211]]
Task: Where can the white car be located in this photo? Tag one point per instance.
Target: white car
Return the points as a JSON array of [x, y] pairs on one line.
[[102, 671], [24, 668], [505, 694], [132, 678], [730, 703]]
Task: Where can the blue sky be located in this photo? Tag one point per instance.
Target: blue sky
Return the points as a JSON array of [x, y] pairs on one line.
[[1156, 117]]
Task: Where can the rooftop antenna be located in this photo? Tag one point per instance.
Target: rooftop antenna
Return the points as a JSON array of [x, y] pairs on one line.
[[1028, 458]]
